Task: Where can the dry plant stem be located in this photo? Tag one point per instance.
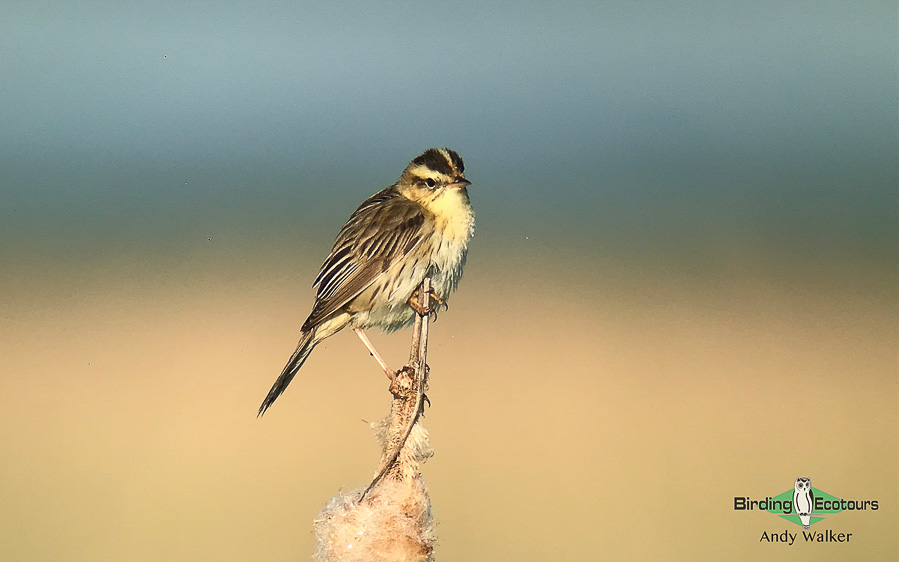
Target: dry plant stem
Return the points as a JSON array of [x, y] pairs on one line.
[[408, 387]]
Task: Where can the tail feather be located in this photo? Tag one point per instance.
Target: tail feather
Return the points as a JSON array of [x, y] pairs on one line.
[[304, 348]]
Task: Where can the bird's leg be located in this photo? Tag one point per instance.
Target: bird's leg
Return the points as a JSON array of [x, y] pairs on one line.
[[415, 302], [374, 353]]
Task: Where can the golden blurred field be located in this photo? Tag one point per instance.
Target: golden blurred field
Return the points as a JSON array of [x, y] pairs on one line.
[[579, 412]]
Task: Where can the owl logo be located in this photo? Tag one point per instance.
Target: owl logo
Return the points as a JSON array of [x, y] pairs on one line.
[[803, 500]]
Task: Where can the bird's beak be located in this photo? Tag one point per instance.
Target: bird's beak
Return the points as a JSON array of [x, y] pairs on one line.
[[460, 182]]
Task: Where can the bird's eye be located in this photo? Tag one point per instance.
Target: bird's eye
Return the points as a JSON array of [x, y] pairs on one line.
[[430, 182]]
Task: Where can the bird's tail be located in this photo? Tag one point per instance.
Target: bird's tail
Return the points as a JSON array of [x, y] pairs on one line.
[[304, 348]]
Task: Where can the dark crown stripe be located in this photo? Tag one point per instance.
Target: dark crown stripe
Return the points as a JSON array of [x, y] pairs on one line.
[[436, 160], [457, 160]]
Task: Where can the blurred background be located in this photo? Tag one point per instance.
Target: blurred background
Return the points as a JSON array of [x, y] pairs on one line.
[[682, 287]]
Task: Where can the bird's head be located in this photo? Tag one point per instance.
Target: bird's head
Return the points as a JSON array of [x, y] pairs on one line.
[[434, 171]]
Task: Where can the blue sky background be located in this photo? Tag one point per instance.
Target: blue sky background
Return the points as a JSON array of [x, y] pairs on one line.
[[640, 128]]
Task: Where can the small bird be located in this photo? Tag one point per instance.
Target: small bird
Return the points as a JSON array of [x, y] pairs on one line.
[[418, 227]]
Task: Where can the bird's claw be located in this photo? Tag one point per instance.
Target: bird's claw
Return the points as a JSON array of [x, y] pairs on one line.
[[402, 383], [431, 309]]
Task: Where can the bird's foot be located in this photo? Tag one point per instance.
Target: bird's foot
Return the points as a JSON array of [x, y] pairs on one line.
[[403, 382], [415, 302]]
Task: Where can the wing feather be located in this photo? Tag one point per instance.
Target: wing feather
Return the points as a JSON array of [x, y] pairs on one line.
[[384, 229]]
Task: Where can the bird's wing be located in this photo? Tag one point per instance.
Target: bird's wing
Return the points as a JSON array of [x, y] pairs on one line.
[[384, 229]]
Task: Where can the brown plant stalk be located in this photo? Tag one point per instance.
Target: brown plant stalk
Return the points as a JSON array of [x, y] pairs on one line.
[[391, 519]]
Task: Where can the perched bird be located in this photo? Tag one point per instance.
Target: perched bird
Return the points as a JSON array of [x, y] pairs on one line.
[[419, 226]]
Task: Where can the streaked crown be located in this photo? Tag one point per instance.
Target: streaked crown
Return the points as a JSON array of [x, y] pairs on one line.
[[435, 167]]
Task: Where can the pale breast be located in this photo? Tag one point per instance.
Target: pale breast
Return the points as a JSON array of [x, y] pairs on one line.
[[449, 245], [441, 256]]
